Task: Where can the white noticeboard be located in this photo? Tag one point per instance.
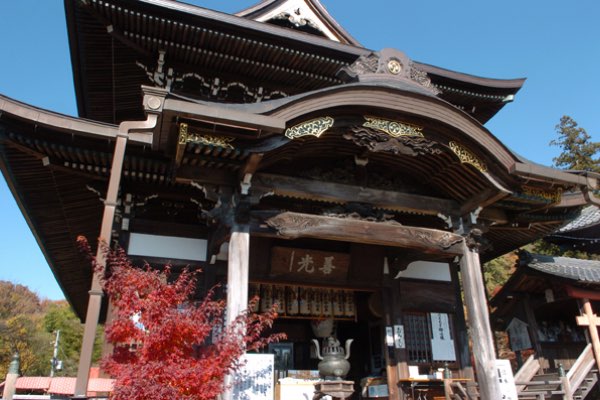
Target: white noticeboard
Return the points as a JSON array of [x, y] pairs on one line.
[[506, 380], [255, 380], [399, 336], [519, 335], [442, 345]]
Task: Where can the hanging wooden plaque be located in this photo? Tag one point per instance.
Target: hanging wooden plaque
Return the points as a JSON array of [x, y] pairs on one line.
[[306, 265]]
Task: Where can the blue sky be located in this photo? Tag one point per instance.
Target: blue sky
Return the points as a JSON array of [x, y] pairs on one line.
[[554, 44]]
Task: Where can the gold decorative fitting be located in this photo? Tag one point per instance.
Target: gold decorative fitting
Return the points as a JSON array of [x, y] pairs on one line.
[[553, 197], [393, 128], [394, 66], [183, 133], [315, 127], [466, 157], [218, 141]]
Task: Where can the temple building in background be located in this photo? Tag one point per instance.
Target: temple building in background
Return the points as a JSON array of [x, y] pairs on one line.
[[272, 150]]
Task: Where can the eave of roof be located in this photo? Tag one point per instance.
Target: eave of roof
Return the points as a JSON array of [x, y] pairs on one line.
[[57, 121], [589, 216], [493, 93], [259, 27], [580, 271], [350, 49]]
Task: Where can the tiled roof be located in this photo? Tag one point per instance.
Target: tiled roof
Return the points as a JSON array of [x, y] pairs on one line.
[[585, 271], [589, 216], [61, 385], [33, 383]]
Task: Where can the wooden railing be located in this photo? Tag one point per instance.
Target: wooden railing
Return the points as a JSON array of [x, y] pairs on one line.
[[582, 367], [457, 391], [527, 371], [565, 385]]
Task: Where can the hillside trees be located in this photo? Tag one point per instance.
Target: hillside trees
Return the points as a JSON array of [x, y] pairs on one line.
[[21, 329], [28, 325], [59, 316]]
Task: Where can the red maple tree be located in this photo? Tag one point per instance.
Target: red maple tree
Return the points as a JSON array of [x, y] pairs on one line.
[[165, 346]]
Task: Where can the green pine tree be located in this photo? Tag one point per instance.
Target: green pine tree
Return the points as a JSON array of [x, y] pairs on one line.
[[578, 150]]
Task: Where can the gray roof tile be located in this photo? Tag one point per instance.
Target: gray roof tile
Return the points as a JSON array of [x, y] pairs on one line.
[[589, 216], [571, 268]]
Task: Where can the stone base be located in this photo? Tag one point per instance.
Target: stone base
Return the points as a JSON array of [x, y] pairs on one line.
[[335, 389]]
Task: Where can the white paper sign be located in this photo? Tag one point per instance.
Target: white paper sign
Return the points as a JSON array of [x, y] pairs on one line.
[[442, 345], [389, 336], [506, 380], [255, 380], [399, 336]]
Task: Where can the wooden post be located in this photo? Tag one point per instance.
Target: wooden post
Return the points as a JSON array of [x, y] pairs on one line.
[[110, 204], [565, 384], [238, 267], [237, 272], [533, 329], [461, 332], [479, 323], [10, 383], [592, 321], [389, 308], [95, 300], [448, 392]]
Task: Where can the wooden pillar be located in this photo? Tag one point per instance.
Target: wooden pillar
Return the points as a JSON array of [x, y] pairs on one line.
[[479, 323], [110, 204], [533, 329], [96, 294], [238, 268], [461, 333], [592, 321], [390, 351], [237, 271], [10, 383]]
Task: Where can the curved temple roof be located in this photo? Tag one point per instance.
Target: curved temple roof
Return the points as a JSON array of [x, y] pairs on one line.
[[118, 41]]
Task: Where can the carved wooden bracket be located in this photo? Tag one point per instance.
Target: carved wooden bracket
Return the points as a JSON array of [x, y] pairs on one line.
[[377, 141], [295, 225]]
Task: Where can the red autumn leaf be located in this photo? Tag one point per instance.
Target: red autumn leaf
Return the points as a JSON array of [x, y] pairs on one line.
[[174, 349]]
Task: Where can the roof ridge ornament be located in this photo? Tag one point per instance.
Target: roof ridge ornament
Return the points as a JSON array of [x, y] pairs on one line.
[[297, 14], [387, 64]]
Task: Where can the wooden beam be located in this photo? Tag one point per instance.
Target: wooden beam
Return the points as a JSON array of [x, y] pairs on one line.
[[494, 214], [290, 225], [211, 176], [248, 170], [483, 199], [226, 116], [341, 193], [579, 293]]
